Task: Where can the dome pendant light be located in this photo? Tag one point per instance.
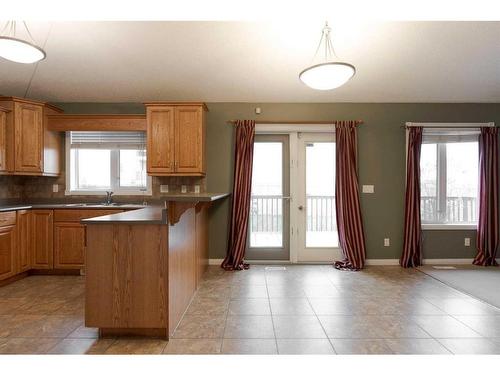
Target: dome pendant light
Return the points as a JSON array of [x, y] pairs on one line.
[[329, 74], [19, 50]]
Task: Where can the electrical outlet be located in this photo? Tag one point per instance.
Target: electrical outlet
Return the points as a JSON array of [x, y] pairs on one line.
[[197, 189], [163, 188], [55, 188], [387, 242], [183, 189], [467, 241]]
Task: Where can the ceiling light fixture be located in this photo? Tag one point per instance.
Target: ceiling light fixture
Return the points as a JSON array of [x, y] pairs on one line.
[[329, 74], [19, 50]]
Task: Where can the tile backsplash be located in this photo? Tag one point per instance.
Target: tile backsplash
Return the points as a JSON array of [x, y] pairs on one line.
[[35, 188]]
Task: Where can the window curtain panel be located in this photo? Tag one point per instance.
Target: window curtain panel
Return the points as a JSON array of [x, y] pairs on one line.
[[347, 205], [487, 229], [412, 240], [242, 186]]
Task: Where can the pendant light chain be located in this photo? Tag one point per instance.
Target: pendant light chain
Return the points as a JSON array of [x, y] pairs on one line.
[[29, 33], [326, 39], [36, 65]]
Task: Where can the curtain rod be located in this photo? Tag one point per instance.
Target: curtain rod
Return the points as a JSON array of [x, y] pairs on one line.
[[444, 125], [232, 122]]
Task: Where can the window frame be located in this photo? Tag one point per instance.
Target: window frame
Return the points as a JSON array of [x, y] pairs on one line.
[[441, 177], [115, 175]]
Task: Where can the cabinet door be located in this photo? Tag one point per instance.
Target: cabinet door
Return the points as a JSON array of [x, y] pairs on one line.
[[160, 140], [23, 241], [7, 246], [28, 138], [3, 141], [69, 245], [42, 239], [189, 140]]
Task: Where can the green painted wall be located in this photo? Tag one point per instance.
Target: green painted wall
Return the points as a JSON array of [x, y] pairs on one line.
[[381, 161]]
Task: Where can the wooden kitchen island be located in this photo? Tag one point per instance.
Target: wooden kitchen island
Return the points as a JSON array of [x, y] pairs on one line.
[[144, 266]]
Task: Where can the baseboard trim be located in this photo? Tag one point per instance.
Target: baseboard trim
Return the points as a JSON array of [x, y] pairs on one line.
[[215, 262], [369, 262], [447, 261]]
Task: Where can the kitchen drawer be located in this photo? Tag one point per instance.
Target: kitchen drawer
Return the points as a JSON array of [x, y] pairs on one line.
[[77, 215], [7, 218]]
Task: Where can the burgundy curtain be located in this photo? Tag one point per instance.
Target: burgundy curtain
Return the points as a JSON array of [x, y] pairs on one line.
[[412, 244], [242, 185], [348, 209], [487, 229]]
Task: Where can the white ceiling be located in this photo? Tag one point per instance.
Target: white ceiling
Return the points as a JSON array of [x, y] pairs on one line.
[[258, 62]]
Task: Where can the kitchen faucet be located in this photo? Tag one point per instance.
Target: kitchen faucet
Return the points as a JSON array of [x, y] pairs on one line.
[[109, 199]]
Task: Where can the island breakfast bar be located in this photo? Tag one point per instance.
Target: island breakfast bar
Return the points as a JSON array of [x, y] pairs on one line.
[[144, 266]]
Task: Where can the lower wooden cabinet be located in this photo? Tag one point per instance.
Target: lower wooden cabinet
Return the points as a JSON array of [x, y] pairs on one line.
[[7, 251], [42, 239], [23, 248], [69, 245]]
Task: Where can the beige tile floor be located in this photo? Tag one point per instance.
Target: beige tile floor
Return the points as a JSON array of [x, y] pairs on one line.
[[300, 310]]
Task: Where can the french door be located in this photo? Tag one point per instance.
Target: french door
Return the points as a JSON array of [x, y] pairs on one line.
[[317, 237], [292, 209], [269, 232]]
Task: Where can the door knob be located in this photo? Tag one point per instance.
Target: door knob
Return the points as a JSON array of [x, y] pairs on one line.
[[301, 207]]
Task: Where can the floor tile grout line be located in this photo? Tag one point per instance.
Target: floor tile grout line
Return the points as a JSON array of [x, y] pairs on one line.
[[272, 316], [321, 324]]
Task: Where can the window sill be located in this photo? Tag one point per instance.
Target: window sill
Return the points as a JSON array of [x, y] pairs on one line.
[[449, 226], [103, 192]]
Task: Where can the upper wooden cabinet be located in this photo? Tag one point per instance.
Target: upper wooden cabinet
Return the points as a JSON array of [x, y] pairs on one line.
[[3, 139], [175, 138], [26, 146]]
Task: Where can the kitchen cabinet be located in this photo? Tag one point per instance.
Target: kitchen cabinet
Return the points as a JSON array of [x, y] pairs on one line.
[[28, 131], [175, 138], [29, 148], [69, 245], [7, 244], [42, 239], [69, 236], [23, 253], [3, 140]]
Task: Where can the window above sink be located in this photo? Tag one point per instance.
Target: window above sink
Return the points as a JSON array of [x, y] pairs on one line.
[[101, 161]]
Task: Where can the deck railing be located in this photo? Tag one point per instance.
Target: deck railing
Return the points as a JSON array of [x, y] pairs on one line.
[[266, 213], [458, 210]]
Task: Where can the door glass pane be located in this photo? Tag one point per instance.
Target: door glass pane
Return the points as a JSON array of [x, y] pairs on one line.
[[266, 206], [132, 168], [428, 183], [461, 182], [321, 225]]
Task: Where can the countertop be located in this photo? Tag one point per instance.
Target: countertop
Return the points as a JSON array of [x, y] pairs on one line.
[[154, 214], [67, 206], [193, 197], [146, 215]]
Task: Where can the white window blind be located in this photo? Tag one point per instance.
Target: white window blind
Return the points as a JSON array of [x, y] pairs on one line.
[[442, 135], [93, 139]]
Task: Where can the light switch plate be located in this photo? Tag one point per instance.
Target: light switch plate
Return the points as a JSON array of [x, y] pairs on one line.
[[467, 241], [387, 242], [368, 189], [183, 189], [55, 188], [197, 189], [163, 188]]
